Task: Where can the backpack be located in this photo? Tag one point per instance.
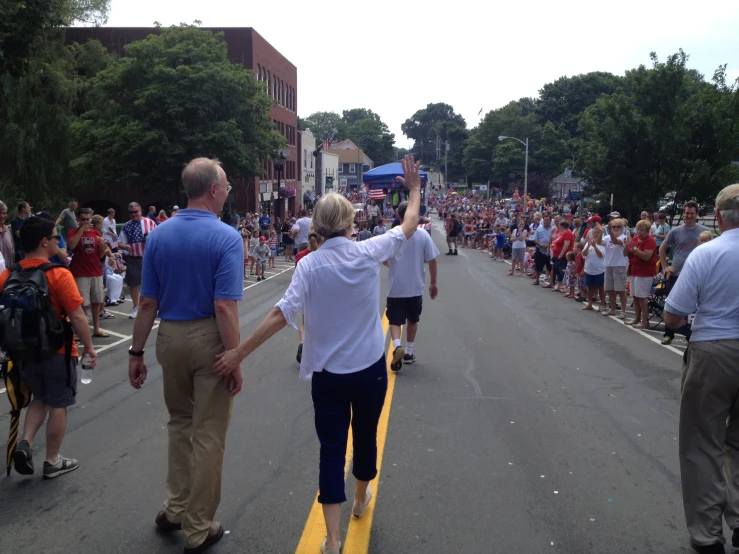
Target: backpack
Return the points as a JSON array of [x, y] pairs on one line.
[[30, 330]]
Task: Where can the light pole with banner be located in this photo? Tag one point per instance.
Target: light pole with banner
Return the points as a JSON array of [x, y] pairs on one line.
[[525, 170]]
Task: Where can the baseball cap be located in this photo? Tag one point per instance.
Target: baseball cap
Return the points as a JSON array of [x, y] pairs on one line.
[[614, 214], [175, 207], [262, 239], [595, 219], [728, 198]]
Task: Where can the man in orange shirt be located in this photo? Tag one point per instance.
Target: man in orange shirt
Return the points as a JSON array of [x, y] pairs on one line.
[[52, 388]]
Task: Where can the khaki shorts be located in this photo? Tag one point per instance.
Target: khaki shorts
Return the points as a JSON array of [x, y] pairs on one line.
[[91, 289], [615, 278], [641, 287]]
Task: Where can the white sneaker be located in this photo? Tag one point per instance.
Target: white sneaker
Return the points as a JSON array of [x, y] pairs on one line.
[[133, 313], [359, 509]]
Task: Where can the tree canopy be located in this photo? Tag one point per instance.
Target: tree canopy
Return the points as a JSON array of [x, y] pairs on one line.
[[363, 126], [432, 127], [174, 97]]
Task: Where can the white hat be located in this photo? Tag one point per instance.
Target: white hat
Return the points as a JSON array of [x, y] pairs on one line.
[[175, 207]]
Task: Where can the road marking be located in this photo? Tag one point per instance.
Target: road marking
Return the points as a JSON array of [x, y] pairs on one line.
[[315, 526], [268, 278], [360, 529]]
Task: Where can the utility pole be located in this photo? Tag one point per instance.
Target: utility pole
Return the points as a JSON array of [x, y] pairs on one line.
[[446, 167]]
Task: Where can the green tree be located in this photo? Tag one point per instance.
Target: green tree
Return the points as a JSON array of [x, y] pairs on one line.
[[668, 129], [431, 127], [323, 124], [562, 101], [374, 137], [174, 97]]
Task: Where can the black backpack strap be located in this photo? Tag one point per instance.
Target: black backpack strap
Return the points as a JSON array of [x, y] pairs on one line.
[[66, 325]]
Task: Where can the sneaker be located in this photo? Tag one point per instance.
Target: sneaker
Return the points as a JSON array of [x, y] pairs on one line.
[[23, 458], [359, 509], [455, 252], [667, 341], [62, 466], [449, 253], [397, 361], [715, 548], [133, 313], [409, 359], [299, 357]]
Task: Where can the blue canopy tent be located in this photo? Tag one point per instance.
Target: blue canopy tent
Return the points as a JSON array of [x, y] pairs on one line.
[[383, 177]]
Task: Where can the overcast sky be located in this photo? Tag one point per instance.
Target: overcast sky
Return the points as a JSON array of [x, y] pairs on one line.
[[395, 57]]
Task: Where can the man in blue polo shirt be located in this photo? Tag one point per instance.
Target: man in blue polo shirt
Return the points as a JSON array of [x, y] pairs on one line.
[[197, 301], [264, 223]]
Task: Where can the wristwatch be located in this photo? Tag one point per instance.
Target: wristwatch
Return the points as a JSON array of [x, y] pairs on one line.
[[137, 353]]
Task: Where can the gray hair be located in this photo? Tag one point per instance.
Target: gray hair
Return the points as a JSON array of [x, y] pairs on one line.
[[198, 175], [730, 217], [3, 206], [134, 205], [727, 204]]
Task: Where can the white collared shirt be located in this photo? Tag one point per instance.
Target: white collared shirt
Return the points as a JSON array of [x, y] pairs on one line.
[[337, 288], [706, 287]]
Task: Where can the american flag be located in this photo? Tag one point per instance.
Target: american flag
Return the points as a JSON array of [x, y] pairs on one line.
[[134, 232], [376, 194], [327, 143]]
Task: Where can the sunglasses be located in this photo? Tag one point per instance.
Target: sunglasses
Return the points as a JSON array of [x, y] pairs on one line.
[[133, 211]]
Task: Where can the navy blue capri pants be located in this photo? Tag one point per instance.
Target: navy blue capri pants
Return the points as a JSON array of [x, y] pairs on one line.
[[340, 400]]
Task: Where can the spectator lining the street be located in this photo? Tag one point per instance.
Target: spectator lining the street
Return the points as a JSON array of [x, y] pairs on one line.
[[616, 262], [595, 266], [642, 253]]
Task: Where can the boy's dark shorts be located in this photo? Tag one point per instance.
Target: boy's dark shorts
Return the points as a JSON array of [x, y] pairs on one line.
[[401, 309], [48, 381]]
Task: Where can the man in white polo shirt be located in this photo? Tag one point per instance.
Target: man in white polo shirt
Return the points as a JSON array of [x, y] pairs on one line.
[[709, 412], [406, 282], [300, 231]]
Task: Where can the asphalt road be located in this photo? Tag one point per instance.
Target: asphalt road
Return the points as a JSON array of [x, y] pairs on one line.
[[527, 425]]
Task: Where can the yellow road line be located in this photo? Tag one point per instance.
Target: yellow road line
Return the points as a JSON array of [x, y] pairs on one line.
[[315, 526], [358, 535]]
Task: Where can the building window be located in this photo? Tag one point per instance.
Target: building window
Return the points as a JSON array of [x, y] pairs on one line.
[[305, 157], [352, 168], [259, 72], [311, 160]]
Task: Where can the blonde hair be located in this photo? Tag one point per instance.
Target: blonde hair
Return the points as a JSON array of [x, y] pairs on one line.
[[334, 216], [643, 224], [705, 236], [314, 240], [97, 220]]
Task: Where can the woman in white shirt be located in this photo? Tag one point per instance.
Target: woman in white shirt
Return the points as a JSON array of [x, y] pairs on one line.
[[337, 288], [109, 229], [595, 266]]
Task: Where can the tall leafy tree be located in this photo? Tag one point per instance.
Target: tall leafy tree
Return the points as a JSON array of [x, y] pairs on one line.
[[431, 127], [174, 97], [563, 100], [323, 124], [374, 137], [39, 88]]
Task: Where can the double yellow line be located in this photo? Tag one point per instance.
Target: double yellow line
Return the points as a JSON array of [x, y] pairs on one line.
[[358, 535]]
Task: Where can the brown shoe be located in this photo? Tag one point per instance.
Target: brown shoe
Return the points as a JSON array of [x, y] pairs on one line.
[[214, 535], [165, 525]]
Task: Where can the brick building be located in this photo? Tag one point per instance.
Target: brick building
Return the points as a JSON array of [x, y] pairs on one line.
[[280, 77]]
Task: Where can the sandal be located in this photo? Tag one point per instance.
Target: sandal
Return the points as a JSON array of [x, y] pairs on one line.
[[622, 315], [101, 335]]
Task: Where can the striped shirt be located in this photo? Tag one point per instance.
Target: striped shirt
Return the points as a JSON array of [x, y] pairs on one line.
[[273, 242], [134, 234]]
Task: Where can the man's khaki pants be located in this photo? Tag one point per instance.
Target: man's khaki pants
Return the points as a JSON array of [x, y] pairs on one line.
[[199, 412], [709, 439]]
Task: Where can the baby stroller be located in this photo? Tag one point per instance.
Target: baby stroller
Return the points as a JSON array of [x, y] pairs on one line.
[[656, 300]]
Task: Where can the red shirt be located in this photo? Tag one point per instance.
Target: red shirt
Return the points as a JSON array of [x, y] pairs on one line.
[[639, 267], [300, 255], [560, 242], [579, 264], [86, 258]]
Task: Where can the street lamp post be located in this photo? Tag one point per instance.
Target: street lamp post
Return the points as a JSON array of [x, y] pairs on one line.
[[525, 170]]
